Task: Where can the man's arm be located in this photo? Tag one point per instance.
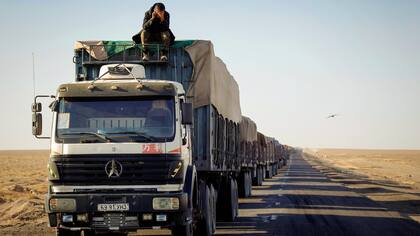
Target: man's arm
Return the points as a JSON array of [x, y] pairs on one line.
[[165, 22], [148, 20]]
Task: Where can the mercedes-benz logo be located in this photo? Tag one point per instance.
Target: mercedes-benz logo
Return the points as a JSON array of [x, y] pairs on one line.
[[113, 169]]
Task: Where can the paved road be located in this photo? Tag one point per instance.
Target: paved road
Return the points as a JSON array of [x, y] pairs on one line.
[[303, 201]]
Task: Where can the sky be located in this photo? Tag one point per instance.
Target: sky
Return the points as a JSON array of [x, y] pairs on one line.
[[295, 62]]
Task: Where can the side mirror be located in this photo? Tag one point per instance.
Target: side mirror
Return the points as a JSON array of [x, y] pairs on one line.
[[36, 107], [37, 116], [36, 124], [187, 113]]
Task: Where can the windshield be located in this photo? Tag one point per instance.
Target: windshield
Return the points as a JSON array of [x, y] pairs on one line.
[[115, 120]]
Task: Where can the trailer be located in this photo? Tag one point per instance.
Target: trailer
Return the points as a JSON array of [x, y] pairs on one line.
[[247, 155]]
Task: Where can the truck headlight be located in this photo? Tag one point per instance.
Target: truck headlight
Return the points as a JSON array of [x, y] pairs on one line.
[[63, 204], [53, 171], [165, 203]]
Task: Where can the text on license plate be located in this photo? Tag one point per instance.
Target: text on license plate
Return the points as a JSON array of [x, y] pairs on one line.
[[113, 207]]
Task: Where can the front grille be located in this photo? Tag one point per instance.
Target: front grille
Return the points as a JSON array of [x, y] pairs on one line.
[[135, 170], [114, 220]]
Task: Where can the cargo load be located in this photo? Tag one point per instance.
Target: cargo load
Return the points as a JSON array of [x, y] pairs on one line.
[[191, 62]]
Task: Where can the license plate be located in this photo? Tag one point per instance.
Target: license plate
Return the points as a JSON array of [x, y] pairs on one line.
[[113, 207]]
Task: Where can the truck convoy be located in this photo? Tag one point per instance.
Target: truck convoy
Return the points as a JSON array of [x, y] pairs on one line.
[[137, 145]]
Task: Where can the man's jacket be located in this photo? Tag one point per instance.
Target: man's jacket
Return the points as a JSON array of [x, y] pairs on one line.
[[154, 25]]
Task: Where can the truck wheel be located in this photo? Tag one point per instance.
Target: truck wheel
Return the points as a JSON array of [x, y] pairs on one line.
[[183, 230], [243, 188], [228, 200], [263, 173], [92, 232], [268, 173], [255, 177], [66, 232], [249, 184], [205, 224], [88, 233], [260, 176], [235, 198], [213, 194]]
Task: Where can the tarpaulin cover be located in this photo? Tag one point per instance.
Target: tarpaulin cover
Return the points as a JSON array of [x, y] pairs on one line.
[[248, 130], [261, 139], [269, 139], [212, 82]]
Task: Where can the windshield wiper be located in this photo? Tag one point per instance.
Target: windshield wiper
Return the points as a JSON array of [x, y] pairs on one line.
[[136, 134], [100, 136]]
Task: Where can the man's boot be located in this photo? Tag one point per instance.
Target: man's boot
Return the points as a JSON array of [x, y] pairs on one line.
[[146, 56], [164, 55]]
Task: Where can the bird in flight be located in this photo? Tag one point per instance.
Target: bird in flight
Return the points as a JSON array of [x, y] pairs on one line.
[[331, 116]]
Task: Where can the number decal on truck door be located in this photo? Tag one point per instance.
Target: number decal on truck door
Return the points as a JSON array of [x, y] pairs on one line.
[[151, 148]]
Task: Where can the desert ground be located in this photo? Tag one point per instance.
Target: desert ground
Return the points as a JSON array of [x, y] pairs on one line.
[[23, 184], [390, 178]]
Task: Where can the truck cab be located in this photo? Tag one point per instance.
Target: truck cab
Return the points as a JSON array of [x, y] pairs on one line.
[[120, 154]]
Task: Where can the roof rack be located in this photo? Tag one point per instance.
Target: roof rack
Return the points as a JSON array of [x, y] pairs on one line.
[[119, 54]]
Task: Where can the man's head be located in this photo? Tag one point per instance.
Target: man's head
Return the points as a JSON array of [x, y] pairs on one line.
[[159, 7]]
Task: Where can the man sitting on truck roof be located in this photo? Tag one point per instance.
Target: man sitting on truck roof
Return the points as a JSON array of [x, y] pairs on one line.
[[155, 30]]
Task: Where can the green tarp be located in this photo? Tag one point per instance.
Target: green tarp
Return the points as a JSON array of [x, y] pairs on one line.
[[103, 49]]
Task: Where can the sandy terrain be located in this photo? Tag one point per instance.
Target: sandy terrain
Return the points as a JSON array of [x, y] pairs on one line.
[[23, 184], [391, 177], [388, 177]]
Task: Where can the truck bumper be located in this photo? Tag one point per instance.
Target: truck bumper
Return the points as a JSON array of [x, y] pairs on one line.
[[140, 215]]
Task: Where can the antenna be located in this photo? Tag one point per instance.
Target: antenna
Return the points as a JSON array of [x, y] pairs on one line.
[[33, 72]]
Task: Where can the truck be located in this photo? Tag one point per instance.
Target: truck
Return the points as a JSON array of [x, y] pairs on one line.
[[149, 144]]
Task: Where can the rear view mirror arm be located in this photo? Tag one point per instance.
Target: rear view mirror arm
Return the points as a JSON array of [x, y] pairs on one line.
[[43, 96], [36, 111]]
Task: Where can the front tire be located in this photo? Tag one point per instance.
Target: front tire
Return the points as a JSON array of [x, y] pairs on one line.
[[206, 223], [183, 230], [92, 233], [88, 233], [66, 232]]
